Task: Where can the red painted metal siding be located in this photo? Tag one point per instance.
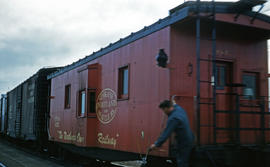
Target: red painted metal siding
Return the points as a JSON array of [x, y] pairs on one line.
[[138, 120], [244, 52]]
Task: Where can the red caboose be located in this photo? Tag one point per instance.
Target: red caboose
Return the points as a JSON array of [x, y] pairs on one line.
[[106, 105]]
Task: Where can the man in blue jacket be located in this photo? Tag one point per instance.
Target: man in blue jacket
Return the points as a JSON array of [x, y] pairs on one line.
[[179, 124]]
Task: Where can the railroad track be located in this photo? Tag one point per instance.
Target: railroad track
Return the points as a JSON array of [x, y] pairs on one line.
[[70, 162]]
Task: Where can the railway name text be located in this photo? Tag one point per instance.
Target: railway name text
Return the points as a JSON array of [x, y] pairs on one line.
[[69, 137], [107, 140]]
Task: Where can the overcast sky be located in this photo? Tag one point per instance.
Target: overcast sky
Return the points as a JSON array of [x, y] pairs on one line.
[[40, 33]]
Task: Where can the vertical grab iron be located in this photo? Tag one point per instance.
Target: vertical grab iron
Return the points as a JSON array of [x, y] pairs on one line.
[[198, 72], [214, 72]]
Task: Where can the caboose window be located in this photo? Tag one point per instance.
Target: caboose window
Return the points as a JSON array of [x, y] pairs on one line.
[[250, 82], [67, 96], [92, 102], [82, 104], [123, 83], [221, 77]]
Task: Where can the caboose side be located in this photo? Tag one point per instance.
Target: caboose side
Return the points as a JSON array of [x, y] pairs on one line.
[[108, 101], [109, 128], [241, 65]]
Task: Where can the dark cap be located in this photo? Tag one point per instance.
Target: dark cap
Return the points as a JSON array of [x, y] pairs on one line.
[[165, 104]]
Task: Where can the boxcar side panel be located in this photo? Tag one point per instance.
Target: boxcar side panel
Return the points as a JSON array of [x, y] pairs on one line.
[[34, 106], [18, 111], [4, 115], [11, 113], [28, 112], [3, 112], [41, 104]]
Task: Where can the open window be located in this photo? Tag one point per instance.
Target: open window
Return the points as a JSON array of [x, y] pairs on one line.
[[82, 106], [123, 82], [67, 96]]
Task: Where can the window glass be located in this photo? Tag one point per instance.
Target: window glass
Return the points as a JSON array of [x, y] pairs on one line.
[[251, 87], [221, 77], [82, 103], [92, 102], [123, 82], [67, 96]]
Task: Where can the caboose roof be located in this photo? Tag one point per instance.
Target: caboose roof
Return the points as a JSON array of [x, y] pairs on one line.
[[181, 12]]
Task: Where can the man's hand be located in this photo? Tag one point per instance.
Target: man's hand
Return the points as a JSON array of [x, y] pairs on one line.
[[152, 147], [173, 100]]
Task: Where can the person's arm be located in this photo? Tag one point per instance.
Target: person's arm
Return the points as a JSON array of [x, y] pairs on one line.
[[171, 125]]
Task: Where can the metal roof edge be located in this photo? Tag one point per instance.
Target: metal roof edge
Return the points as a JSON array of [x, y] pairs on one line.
[[160, 24], [259, 16], [175, 16], [222, 9], [35, 74], [203, 4]]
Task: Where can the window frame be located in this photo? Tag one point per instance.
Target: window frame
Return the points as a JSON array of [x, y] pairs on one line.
[[66, 104], [79, 113], [121, 96], [218, 66], [257, 82], [91, 114]]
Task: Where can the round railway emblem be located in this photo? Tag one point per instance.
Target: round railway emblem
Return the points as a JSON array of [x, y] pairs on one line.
[[106, 105]]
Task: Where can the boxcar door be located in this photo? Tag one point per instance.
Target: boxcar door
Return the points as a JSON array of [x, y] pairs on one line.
[[224, 101]]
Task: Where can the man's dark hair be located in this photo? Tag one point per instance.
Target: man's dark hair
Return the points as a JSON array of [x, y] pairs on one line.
[[165, 104]]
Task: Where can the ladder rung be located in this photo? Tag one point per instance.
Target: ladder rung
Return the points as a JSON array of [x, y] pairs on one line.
[[206, 125], [207, 60], [207, 103], [206, 39], [205, 81], [241, 112], [251, 106], [207, 16], [224, 111], [246, 129]]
